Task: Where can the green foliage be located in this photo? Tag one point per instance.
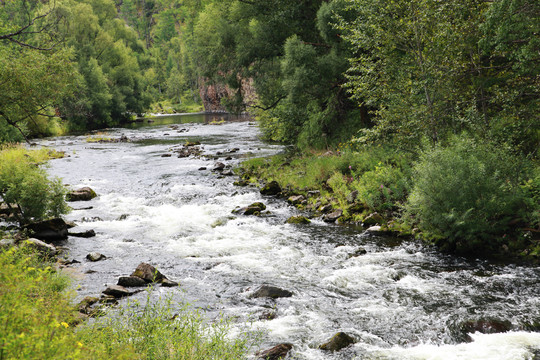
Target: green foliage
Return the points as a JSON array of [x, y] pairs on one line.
[[26, 187], [467, 193], [161, 330], [35, 311]]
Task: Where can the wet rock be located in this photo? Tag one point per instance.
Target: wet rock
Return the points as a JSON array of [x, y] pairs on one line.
[[84, 208], [273, 292], [131, 281], [253, 209], [49, 230], [117, 291], [219, 166], [123, 217], [228, 158], [82, 194], [70, 224], [95, 256], [228, 172], [296, 199], [272, 188], [337, 342], [168, 283], [41, 247], [91, 219], [111, 300], [166, 155], [84, 234], [486, 326], [333, 216], [351, 198], [268, 315], [148, 273], [298, 220], [241, 183], [202, 168], [277, 352], [359, 252], [373, 219]]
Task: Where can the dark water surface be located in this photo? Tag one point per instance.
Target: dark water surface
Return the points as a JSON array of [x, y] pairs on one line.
[[399, 301]]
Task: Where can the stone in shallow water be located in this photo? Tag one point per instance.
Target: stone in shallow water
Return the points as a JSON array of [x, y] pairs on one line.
[[49, 230], [148, 273], [272, 188], [337, 342], [277, 352], [117, 291], [273, 292], [82, 194], [131, 281], [95, 256]]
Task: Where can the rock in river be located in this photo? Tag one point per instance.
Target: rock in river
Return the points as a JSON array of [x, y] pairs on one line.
[[333, 216], [131, 281], [150, 274], [298, 220], [42, 247], [276, 353], [95, 256], [82, 194], [117, 291], [267, 291], [337, 342], [84, 234]]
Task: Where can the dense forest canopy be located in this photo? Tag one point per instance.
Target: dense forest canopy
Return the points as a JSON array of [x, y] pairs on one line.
[[315, 73]]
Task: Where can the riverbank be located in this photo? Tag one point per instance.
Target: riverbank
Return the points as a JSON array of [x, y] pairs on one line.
[[373, 187]]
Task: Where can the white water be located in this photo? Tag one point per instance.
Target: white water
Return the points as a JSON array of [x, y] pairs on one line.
[[399, 301]]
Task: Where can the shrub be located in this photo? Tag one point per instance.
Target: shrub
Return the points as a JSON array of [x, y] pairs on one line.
[[25, 186], [467, 194]]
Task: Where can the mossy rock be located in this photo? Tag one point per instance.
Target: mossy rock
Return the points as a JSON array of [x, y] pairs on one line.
[[298, 220], [272, 188], [337, 342]]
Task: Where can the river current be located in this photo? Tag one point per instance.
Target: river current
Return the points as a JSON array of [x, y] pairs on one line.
[[400, 300]]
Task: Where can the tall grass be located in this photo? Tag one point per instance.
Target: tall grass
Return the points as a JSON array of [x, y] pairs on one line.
[[37, 320]]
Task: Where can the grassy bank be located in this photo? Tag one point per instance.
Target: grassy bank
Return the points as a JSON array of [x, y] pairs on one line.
[[467, 198], [38, 320]]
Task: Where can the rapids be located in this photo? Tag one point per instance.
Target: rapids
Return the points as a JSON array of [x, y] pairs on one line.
[[401, 300]]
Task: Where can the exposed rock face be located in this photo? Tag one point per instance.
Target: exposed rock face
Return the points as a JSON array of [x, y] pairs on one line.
[[484, 326], [337, 342], [272, 188], [212, 94], [351, 198], [267, 291], [298, 220], [49, 230], [82, 194], [276, 353]]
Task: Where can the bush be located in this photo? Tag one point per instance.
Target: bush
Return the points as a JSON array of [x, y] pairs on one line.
[[466, 194], [25, 186]]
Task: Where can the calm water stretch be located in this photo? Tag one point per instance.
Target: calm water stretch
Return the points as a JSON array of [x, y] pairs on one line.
[[401, 300]]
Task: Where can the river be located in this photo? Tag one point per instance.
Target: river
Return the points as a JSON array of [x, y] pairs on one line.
[[401, 300]]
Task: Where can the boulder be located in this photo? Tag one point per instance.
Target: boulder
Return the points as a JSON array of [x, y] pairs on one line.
[[253, 209], [6, 244], [277, 352], [117, 291], [49, 230], [166, 155], [486, 326], [337, 342], [333, 216], [272, 188], [42, 247], [228, 172], [131, 281], [373, 219], [148, 273], [95, 256], [375, 228], [267, 291], [219, 166], [298, 220], [82, 194], [296, 199], [325, 209], [84, 234]]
